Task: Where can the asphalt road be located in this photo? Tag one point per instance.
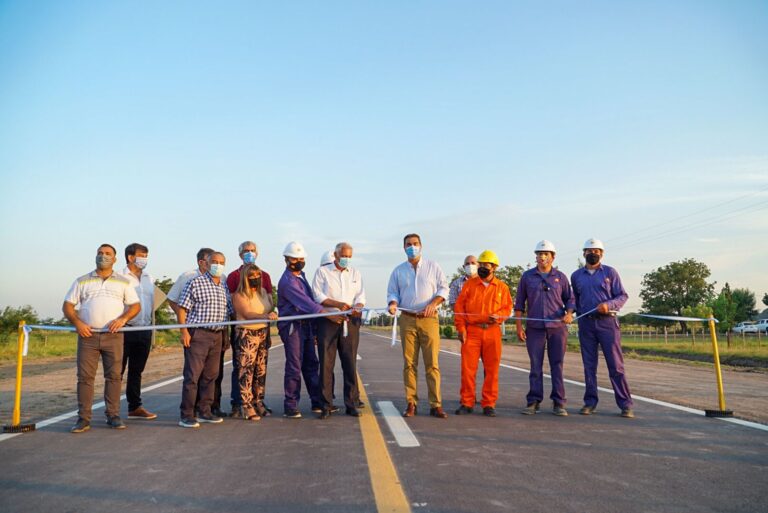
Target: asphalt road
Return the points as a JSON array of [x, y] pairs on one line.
[[664, 460]]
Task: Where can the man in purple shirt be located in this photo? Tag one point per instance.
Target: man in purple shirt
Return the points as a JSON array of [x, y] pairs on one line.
[[548, 295], [294, 297], [598, 287]]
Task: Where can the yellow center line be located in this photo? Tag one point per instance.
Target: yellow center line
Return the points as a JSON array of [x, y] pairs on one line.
[[387, 489]]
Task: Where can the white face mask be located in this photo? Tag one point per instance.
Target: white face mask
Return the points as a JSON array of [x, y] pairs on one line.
[[470, 269], [141, 262]]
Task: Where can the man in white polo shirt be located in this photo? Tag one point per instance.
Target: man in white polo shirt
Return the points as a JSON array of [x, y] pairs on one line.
[[339, 286], [106, 301]]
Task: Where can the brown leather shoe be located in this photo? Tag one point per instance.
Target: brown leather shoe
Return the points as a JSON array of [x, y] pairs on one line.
[[438, 412], [141, 413], [410, 410]]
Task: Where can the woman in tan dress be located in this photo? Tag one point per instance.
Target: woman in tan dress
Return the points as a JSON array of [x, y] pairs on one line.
[[251, 302]]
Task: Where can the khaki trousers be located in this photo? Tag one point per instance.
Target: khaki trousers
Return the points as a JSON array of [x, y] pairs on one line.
[[420, 334]]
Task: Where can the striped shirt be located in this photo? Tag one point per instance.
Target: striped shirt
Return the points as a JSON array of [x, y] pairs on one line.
[[206, 302], [455, 288], [101, 300]]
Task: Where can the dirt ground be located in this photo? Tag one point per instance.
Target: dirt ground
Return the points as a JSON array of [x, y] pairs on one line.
[[49, 384]]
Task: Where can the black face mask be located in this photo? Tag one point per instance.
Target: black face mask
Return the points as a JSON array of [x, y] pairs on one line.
[[254, 283], [592, 258], [483, 272], [296, 266]]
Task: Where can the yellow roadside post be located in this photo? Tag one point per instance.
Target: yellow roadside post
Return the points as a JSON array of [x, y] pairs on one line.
[[722, 412], [16, 425]]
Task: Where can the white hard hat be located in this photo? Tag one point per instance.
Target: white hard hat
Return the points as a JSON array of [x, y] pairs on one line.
[[594, 244], [545, 245], [294, 250], [327, 258]]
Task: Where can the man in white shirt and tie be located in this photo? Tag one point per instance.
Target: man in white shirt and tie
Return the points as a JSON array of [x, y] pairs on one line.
[[418, 286], [338, 285]]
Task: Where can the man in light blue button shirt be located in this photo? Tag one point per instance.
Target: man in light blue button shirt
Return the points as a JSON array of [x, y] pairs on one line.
[[417, 287]]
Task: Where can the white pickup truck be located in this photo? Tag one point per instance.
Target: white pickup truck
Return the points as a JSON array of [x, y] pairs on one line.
[[762, 326], [745, 327]]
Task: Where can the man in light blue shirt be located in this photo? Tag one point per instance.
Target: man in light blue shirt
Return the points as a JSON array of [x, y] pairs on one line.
[[417, 287]]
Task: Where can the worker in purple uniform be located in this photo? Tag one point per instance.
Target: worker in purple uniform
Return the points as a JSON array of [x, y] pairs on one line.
[[544, 293], [294, 297], [598, 287]]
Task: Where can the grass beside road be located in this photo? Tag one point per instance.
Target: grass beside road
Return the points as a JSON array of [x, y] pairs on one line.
[[749, 352], [47, 344]]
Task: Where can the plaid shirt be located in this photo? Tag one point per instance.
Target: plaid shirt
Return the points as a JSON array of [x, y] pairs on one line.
[[206, 302], [455, 289]]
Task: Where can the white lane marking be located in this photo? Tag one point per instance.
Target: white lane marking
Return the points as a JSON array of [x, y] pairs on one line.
[[397, 425], [694, 411], [101, 404]]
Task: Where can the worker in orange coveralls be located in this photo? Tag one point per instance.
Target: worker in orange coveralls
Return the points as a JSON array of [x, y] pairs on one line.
[[483, 304]]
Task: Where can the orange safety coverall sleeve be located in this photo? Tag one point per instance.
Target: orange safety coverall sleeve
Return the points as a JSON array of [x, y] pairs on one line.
[[476, 298]]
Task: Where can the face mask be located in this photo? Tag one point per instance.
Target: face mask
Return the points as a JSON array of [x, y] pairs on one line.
[[254, 283], [296, 266], [141, 262], [470, 269], [483, 272], [593, 258], [249, 257], [413, 251], [103, 261], [216, 270], [344, 262]]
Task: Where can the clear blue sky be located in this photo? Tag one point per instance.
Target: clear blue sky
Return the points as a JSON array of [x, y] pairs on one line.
[[479, 125]]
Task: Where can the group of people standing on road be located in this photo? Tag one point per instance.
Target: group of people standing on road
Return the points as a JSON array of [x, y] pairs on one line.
[[113, 316]]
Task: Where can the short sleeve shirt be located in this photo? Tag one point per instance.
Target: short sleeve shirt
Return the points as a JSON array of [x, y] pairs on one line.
[[101, 300]]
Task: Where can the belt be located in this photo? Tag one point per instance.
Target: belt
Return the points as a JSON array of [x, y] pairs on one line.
[[212, 330], [484, 325], [600, 316], [417, 315]]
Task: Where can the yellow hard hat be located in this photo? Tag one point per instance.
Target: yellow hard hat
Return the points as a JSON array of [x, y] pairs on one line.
[[488, 256]]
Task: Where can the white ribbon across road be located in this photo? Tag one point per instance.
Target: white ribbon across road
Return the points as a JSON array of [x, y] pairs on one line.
[[157, 327]]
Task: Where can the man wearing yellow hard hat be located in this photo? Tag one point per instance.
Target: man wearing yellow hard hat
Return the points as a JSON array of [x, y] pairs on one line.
[[482, 305]]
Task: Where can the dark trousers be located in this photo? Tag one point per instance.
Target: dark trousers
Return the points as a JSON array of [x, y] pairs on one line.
[[603, 332], [554, 341], [201, 363], [136, 347], [108, 347], [330, 340], [216, 404], [234, 394], [300, 361]]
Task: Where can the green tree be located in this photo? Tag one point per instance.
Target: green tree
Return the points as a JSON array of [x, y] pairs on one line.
[[670, 289], [700, 311], [510, 274], [745, 304], [164, 314], [765, 299], [724, 310], [10, 318]]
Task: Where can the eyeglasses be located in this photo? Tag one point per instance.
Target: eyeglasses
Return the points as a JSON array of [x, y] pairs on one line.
[[545, 286]]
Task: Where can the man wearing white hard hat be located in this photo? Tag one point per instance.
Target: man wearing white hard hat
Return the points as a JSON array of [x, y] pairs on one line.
[[544, 293], [327, 258], [294, 297], [598, 290]]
